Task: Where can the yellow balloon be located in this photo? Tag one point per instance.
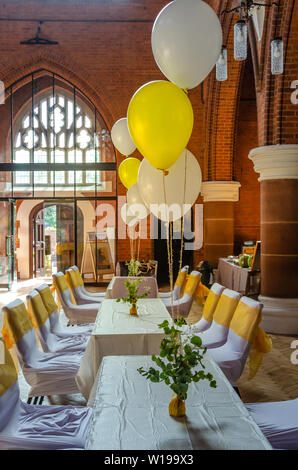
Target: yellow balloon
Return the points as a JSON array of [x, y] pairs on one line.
[[128, 171], [160, 120]]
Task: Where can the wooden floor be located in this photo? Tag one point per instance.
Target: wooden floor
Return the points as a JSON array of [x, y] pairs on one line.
[[277, 378]]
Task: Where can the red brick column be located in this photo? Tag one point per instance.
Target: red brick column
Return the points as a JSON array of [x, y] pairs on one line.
[[218, 197], [278, 168]]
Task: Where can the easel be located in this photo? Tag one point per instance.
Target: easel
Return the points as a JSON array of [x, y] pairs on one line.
[[91, 245], [89, 249]]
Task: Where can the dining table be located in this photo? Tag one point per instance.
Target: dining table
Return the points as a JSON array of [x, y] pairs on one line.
[[132, 413], [116, 332], [233, 276]]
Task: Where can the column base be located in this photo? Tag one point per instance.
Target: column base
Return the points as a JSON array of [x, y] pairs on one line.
[[280, 315]]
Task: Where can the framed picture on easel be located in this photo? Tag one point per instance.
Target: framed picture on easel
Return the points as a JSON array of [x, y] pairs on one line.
[[97, 258]]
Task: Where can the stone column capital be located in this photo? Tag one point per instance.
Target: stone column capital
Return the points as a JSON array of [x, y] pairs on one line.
[[216, 191], [275, 161]]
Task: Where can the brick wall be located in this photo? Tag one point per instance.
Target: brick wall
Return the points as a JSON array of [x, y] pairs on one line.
[[111, 59]]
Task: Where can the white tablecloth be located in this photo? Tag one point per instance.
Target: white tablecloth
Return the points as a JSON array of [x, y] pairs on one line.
[[118, 333], [131, 413], [232, 276]]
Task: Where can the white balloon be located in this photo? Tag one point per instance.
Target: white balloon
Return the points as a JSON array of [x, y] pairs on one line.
[[169, 197], [135, 202], [121, 137], [186, 41], [127, 217]]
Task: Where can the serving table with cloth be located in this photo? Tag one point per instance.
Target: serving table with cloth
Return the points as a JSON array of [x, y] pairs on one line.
[[234, 277], [132, 413], [116, 332]]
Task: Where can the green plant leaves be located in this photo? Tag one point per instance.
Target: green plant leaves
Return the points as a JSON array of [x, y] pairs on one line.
[[196, 340], [177, 361], [132, 288]]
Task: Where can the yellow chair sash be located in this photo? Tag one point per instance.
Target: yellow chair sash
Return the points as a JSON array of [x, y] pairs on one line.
[[16, 323], [225, 310], [48, 300], [72, 279], [210, 306], [78, 277], [8, 373], [192, 284], [38, 311], [201, 294], [245, 321], [61, 284], [262, 345]]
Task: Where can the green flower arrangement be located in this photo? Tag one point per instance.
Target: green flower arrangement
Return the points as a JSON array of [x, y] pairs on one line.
[[132, 288], [133, 267], [177, 361]]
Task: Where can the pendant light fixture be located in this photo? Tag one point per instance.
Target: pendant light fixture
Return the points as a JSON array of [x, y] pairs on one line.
[[222, 65], [246, 9]]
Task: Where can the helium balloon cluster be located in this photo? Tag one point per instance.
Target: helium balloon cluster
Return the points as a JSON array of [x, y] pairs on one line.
[[186, 43]]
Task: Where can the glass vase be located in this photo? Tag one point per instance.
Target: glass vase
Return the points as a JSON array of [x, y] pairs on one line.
[[133, 310], [177, 407]]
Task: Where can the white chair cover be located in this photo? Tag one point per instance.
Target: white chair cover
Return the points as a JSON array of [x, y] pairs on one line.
[[217, 334], [55, 325], [182, 306], [75, 313], [80, 296], [208, 311], [24, 426], [176, 290], [119, 289], [278, 421], [49, 341], [46, 373], [231, 357], [95, 296]]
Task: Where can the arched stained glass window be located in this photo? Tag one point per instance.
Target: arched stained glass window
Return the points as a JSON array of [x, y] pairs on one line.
[[59, 128]]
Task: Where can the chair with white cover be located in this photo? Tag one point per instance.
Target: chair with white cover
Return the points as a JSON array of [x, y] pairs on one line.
[[182, 306], [178, 286], [75, 283], [232, 356], [208, 310], [278, 422], [95, 296], [49, 341], [217, 334], [76, 314], [147, 283], [34, 427], [46, 373], [55, 325]]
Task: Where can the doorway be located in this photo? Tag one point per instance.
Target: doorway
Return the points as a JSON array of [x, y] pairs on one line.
[[7, 244], [54, 237]]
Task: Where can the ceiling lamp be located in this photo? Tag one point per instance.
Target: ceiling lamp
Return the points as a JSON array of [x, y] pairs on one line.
[[246, 9], [222, 65]]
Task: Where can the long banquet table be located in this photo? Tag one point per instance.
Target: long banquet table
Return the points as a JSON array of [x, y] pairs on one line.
[[131, 413], [116, 332]]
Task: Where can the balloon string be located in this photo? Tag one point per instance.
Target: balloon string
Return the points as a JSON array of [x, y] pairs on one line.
[[182, 223], [170, 250], [139, 244]]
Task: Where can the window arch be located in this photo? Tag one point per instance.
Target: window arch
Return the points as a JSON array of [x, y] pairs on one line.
[[60, 127]]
